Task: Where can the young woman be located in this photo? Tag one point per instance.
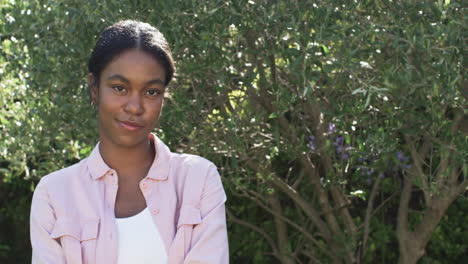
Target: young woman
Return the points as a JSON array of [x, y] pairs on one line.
[[132, 200]]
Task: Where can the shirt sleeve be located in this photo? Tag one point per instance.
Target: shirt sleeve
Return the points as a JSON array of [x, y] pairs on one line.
[[45, 249], [209, 238]]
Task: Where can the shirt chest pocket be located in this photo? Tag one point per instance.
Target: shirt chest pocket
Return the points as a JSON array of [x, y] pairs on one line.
[[77, 238]]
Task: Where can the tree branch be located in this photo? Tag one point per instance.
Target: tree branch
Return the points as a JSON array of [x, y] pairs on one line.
[[417, 161], [303, 231], [368, 217], [269, 240]]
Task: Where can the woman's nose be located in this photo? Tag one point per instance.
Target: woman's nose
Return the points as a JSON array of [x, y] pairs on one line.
[[134, 105]]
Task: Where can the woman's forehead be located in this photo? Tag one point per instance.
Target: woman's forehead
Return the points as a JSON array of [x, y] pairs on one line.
[[134, 65]]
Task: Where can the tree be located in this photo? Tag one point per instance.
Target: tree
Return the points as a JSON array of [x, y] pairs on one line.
[[338, 127]]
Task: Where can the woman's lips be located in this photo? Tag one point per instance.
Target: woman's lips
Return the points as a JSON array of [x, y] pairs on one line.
[[130, 126]]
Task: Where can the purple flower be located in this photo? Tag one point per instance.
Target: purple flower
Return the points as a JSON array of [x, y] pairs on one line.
[[339, 149], [402, 159], [311, 145], [381, 175], [343, 151], [339, 140], [366, 170], [401, 156]]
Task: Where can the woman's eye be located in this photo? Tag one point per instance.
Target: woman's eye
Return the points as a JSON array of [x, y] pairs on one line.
[[152, 92], [118, 88]]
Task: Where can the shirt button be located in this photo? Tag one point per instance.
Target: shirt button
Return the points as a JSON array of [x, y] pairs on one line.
[[144, 185], [155, 211]]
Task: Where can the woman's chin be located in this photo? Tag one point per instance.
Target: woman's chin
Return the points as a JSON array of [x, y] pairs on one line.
[[132, 140]]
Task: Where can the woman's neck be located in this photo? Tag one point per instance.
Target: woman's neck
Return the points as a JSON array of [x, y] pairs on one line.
[[127, 161]]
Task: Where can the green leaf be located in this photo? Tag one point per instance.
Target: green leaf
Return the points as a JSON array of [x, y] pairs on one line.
[[368, 99], [359, 90]]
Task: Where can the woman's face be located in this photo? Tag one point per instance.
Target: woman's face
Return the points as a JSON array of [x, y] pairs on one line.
[[129, 98]]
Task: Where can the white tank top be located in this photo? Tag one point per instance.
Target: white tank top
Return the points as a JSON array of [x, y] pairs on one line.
[[139, 240]]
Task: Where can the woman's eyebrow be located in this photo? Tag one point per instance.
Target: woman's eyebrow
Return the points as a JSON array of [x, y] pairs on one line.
[[123, 79], [155, 81], [119, 78]]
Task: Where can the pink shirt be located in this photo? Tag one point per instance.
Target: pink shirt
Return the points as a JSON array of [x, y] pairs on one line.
[[72, 212]]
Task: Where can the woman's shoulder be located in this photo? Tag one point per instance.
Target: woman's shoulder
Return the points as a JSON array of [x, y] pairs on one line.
[[192, 168], [192, 165], [184, 159], [196, 177], [63, 177]]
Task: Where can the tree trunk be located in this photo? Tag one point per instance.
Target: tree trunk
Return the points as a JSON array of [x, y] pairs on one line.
[[281, 230], [412, 244], [410, 248]]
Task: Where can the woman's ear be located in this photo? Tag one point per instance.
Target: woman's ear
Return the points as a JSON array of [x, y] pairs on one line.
[[93, 89]]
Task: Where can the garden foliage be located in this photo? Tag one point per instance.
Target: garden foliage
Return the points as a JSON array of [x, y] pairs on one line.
[[340, 127]]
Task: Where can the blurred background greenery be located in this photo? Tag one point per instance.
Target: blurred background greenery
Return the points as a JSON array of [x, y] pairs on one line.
[[340, 128]]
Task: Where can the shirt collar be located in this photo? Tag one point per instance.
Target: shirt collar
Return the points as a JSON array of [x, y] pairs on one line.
[[159, 170]]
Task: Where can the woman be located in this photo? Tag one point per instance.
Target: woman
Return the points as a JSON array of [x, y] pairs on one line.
[[132, 200]]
